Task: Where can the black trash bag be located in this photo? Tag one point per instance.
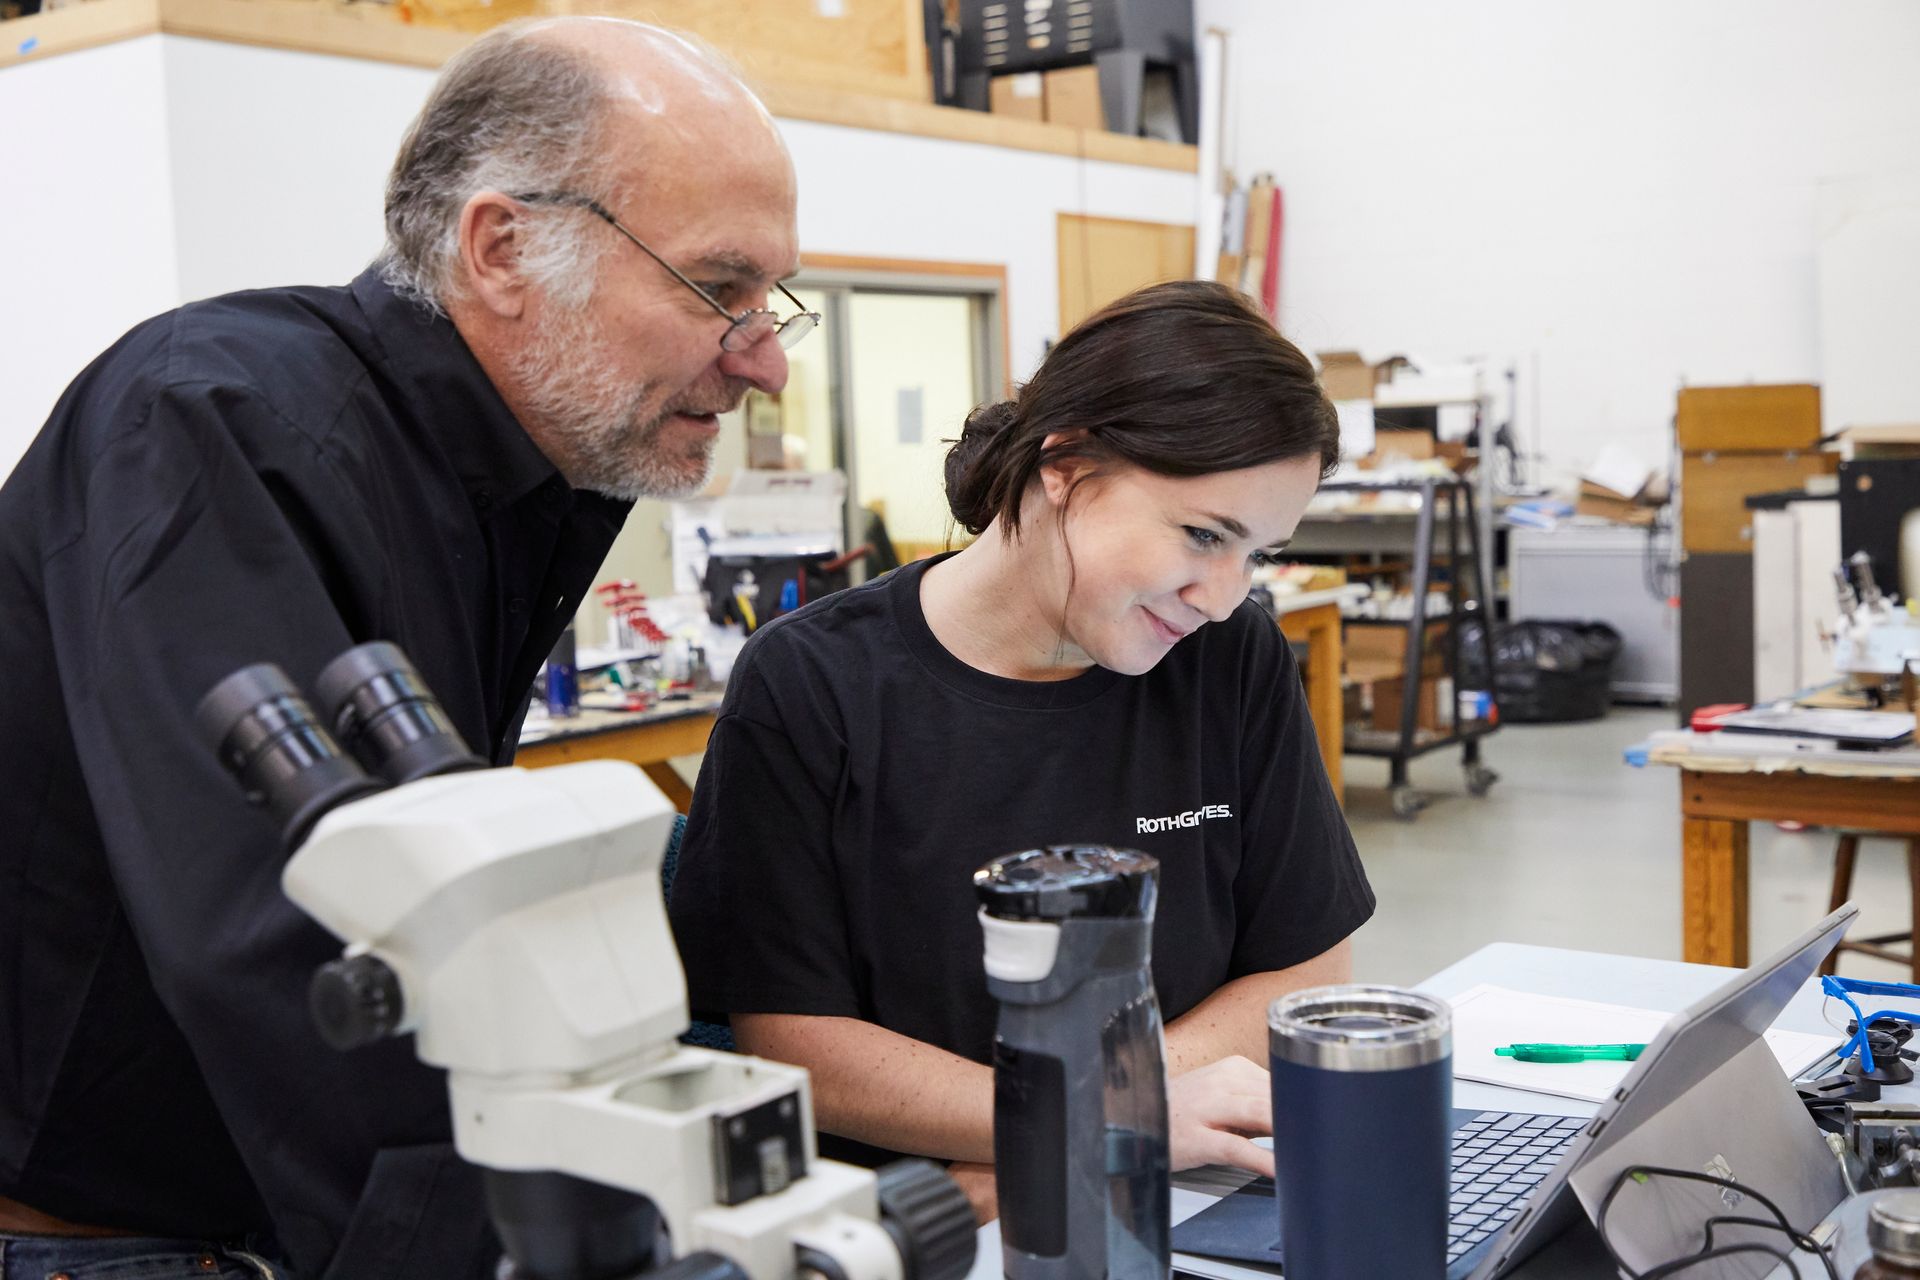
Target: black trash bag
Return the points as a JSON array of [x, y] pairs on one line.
[[1544, 671]]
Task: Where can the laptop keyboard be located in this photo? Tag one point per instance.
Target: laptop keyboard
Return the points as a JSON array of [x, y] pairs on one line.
[[1497, 1160]]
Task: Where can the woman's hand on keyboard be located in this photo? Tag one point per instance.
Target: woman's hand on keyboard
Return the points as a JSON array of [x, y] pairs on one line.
[[1214, 1111]]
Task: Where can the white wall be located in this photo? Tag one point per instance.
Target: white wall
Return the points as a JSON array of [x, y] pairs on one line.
[[243, 167], [889, 195], [1869, 278], [280, 161], [87, 220], [1623, 193]]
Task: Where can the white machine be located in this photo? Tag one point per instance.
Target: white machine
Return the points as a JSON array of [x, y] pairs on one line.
[[1875, 637], [513, 921]]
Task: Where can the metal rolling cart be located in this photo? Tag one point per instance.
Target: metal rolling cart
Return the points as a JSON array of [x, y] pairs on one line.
[[1329, 535]]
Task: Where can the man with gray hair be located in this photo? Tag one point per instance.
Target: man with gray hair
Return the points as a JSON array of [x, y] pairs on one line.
[[586, 228]]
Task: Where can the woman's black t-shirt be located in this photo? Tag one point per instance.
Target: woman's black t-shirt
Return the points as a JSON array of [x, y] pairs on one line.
[[858, 774]]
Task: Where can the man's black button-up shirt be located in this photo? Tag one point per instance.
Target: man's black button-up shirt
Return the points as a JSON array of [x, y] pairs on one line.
[[269, 476]]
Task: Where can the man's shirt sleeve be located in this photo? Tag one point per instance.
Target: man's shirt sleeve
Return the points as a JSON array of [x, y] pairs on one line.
[[198, 556]]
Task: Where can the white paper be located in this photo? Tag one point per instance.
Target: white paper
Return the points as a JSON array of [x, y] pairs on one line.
[[1486, 1017], [1618, 469]]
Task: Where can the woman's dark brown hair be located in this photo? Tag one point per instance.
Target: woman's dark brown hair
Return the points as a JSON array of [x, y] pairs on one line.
[[1184, 379]]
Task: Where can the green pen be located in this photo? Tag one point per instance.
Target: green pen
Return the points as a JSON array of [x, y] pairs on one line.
[[1571, 1052]]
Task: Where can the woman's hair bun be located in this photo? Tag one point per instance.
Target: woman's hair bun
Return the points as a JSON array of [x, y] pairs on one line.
[[970, 485]]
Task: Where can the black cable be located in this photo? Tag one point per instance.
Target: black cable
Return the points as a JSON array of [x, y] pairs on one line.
[[1694, 1260], [1641, 1173], [1657, 570]]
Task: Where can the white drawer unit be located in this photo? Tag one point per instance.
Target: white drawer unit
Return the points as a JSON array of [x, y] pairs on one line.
[[1579, 573]]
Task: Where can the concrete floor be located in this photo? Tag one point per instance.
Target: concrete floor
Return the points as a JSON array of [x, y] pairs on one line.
[[1573, 848]]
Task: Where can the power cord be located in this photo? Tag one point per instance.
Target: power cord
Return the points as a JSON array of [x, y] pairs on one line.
[[1642, 1173], [1658, 572]]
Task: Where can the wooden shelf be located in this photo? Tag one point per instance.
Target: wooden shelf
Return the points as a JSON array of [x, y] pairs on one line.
[[319, 26]]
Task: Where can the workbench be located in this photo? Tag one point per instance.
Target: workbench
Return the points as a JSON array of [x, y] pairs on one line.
[[650, 739], [1725, 785], [653, 738], [1312, 618]]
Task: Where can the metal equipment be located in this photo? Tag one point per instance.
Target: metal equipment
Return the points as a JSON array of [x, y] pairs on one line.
[[1124, 39], [1875, 638]]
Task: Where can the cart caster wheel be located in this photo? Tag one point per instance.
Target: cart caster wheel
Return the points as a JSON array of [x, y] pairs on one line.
[[1480, 779], [1407, 802]]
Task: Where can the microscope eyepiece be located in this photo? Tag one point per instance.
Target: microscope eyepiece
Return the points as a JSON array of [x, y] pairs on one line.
[[388, 718], [268, 737]]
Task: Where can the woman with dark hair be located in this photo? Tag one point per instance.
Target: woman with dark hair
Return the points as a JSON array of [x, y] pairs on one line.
[[1087, 670]]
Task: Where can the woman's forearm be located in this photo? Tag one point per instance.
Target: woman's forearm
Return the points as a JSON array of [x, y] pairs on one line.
[[880, 1087], [1233, 1020]]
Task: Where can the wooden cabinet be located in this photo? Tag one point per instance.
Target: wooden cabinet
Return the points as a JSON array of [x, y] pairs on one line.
[[1756, 419], [1714, 488], [1106, 258]]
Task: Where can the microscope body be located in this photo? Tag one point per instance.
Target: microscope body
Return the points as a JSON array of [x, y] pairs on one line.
[[521, 912], [513, 921]]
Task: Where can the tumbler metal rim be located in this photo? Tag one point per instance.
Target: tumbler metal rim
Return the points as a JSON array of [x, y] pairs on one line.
[[1314, 1028]]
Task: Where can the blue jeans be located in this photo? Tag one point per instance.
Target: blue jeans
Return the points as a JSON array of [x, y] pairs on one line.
[[125, 1258]]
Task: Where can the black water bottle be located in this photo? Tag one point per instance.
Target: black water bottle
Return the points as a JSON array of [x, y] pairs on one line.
[[1080, 1148]]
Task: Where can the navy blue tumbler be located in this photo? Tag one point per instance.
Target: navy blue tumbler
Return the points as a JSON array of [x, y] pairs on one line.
[[1362, 1099]]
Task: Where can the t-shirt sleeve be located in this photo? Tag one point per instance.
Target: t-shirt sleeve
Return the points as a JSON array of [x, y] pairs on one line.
[[1300, 887], [190, 563], [756, 904]]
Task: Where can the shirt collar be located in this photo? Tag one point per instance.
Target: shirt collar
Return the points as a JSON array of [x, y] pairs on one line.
[[452, 397]]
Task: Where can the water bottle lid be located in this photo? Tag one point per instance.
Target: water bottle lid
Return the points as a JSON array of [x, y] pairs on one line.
[[1359, 1028], [1893, 1227], [1066, 882]]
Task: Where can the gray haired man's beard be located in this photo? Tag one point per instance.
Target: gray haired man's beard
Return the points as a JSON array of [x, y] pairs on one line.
[[599, 422]]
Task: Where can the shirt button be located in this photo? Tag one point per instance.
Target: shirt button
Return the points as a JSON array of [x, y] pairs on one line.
[[483, 500], [517, 605]]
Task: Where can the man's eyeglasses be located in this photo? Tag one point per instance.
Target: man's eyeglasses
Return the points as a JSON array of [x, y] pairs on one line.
[[743, 330]]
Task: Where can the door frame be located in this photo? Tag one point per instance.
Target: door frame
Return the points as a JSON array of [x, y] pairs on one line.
[[836, 274]]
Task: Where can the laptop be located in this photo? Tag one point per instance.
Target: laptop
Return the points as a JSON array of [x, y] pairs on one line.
[[1707, 1094], [1856, 730]]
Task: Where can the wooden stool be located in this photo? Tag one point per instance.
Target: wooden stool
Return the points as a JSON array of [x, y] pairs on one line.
[[1843, 858]]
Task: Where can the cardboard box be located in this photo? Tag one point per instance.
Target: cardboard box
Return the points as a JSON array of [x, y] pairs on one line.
[[1072, 97], [1758, 419], [1432, 705], [1901, 440], [1416, 445], [1598, 500], [1344, 375], [1378, 650], [1022, 96]]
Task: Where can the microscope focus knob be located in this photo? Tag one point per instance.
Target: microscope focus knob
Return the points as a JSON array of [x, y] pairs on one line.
[[355, 1001], [930, 1220]]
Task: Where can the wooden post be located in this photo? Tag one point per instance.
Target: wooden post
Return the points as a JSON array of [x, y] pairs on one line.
[[1320, 628], [1713, 891]]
